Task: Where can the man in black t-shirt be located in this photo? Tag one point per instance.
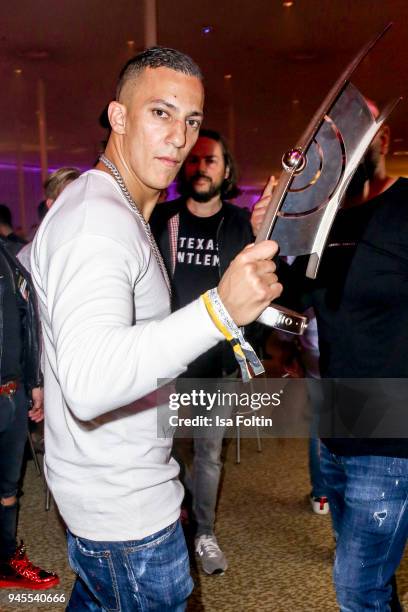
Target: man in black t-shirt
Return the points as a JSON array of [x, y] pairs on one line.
[[198, 235], [360, 298]]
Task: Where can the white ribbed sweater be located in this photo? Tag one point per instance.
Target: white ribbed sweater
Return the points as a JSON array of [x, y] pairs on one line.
[[108, 338]]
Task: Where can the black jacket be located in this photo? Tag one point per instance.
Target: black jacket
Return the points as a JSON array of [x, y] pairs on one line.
[[27, 305]]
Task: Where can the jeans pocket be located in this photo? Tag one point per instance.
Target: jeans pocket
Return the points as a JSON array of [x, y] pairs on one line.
[[155, 539], [96, 569], [160, 570]]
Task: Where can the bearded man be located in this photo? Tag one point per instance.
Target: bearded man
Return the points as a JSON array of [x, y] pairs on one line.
[[199, 234]]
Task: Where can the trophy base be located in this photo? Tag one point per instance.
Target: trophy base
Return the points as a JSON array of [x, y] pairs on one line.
[[284, 319]]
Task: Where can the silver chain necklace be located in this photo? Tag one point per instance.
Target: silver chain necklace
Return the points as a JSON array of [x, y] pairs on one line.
[[133, 206]]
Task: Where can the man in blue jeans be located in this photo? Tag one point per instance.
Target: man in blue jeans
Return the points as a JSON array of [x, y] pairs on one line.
[[361, 303], [19, 374], [363, 334], [104, 299]]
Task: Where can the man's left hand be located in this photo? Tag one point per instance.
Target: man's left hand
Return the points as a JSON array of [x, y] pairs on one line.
[[36, 413]]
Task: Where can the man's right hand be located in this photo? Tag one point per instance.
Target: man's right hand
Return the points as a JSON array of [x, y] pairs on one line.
[[250, 284]]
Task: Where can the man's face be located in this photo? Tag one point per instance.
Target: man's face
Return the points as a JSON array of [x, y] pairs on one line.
[[204, 170], [163, 117]]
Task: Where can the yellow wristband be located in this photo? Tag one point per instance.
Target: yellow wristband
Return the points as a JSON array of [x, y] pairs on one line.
[[237, 341], [217, 322]]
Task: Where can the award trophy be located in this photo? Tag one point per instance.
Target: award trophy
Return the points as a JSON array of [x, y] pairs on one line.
[[316, 173]]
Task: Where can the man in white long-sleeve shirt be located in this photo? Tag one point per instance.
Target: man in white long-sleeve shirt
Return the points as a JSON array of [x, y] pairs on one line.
[[109, 337]]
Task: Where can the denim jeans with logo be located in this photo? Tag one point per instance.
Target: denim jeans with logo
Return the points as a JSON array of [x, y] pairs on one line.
[[368, 498], [152, 574]]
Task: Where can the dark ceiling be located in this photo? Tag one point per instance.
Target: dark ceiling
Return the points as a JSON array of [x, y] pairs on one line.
[[282, 61]]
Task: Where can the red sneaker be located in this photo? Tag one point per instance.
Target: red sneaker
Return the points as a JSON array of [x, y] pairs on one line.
[[20, 572]]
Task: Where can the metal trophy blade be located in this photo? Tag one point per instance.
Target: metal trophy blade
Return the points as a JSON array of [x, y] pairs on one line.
[[316, 173]]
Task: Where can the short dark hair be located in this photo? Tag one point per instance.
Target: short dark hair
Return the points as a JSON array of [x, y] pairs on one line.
[[229, 187], [5, 215], [157, 57]]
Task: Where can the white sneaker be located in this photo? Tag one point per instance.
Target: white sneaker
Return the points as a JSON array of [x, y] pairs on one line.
[[212, 558], [320, 505]]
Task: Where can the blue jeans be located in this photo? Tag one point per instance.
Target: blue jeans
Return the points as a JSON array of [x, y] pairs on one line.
[[368, 498], [132, 576], [13, 437]]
